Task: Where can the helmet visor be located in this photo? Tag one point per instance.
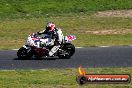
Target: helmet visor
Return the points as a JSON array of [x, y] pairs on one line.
[[48, 28]]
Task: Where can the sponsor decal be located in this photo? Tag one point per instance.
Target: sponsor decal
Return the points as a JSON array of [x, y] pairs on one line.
[[83, 78]]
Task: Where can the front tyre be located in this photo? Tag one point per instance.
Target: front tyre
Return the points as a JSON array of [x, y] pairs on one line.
[[69, 50], [24, 53]]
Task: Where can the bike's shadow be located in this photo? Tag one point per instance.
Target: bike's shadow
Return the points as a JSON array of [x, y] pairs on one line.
[[46, 58]]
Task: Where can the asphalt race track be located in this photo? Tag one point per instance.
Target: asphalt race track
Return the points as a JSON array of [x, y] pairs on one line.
[[117, 56]]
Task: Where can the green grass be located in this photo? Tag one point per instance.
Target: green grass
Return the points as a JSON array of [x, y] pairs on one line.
[[100, 40], [56, 78], [45, 8], [15, 31], [18, 18]]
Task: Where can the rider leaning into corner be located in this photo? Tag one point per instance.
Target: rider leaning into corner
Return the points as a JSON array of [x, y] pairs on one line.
[[55, 34]]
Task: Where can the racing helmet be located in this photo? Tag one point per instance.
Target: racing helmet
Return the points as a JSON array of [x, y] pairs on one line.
[[50, 26]]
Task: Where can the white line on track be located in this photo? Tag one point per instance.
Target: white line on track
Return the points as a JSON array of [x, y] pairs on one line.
[[79, 47], [103, 46], [76, 47], [83, 47], [15, 49]]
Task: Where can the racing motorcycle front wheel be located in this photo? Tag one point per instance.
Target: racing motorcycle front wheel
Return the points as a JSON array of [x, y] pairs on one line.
[[69, 50], [24, 53]]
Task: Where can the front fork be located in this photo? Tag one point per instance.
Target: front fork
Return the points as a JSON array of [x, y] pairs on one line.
[[27, 48]]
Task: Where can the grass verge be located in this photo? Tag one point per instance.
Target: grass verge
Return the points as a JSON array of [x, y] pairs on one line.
[[43, 8], [89, 30], [57, 78]]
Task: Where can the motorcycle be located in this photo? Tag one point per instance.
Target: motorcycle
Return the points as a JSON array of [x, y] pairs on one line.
[[39, 46]]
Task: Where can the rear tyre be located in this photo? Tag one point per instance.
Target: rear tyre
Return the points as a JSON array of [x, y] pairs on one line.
[[69, 49], [24, 53]]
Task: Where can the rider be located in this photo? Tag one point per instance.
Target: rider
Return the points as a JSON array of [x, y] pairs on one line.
[[56, 34]]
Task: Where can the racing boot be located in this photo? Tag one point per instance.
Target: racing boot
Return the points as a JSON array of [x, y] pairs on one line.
[[53, 50]]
